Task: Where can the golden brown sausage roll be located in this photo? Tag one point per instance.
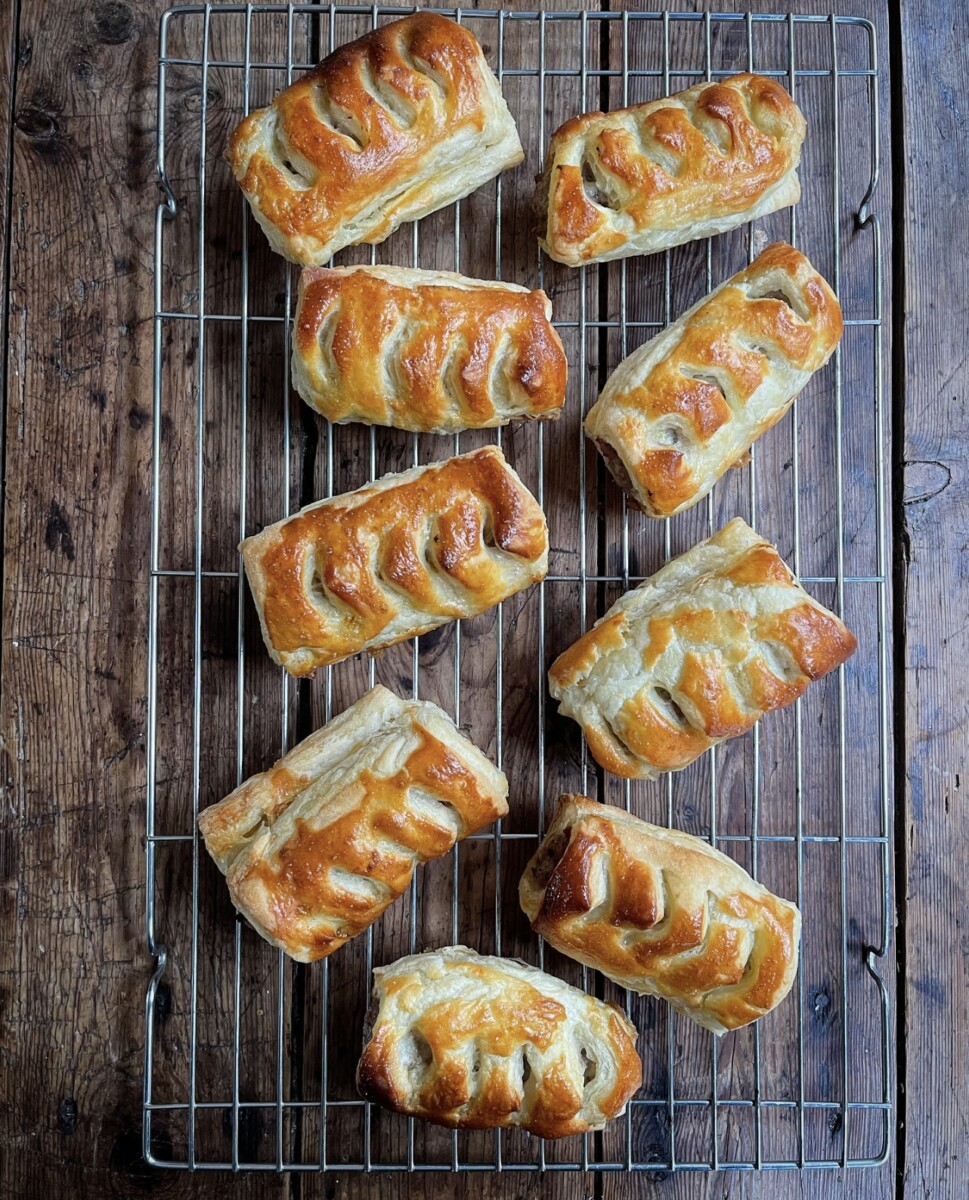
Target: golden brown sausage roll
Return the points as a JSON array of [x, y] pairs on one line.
[[690, 403], [316, 848], [656, 175], [696, 654], [387, 129], [429, 351], [476, 1043], [662, 913], [394, 559]]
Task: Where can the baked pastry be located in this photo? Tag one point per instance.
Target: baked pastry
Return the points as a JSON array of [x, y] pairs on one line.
[[429, 351], [696, 654], [387, 129], [394, 559], [477, 1043], [316, 848], [662, 913], [660, 174], [690, 403]]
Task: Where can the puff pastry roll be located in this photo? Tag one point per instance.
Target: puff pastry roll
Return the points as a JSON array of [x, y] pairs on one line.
[[696, 654], [389, 128], [476, 1043], [430, 351], [660, 174], [316, 848], [394, 559], [662, 913], [691, 402]]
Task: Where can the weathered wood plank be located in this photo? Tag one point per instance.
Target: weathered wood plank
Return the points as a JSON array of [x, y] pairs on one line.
[[935, 508], [75, 570], [9, 54]]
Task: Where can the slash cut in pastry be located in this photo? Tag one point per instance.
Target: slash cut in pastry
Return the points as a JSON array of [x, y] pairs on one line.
[[662, 913], [656, 175], [391, 127], [473, 1042], [394, 559], [696, 654], [429, 351], [315, 849]]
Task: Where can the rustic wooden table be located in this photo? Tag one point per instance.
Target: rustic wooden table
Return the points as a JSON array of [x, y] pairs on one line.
[[77, 126]]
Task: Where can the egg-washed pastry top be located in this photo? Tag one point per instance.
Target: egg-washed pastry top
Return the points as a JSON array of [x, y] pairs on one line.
[[661, 912], [696, 654], [394, 559], [642, 179], [315, 848], [687, 405], [388, 128], [476, 1042], [429, 351]]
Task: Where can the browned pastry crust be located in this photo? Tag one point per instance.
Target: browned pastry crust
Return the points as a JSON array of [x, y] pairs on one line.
[[696, 654], [394, 559], [662, 913], [656, 175], [687, 405], [429, 351], [315, 849], [388, 128], [477, 1043]]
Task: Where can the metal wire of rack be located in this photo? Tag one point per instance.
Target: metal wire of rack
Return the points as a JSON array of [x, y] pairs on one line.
[[274, 1093]]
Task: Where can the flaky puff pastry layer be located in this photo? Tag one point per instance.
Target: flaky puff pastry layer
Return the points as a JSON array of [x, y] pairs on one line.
[[391, 127], [473, 1042], [689, 404], [429, 351], [656, 175], [394, 559], [662, 913], [315, 849], [696, 654]]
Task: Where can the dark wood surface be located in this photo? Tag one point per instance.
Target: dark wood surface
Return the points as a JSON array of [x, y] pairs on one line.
[[932, 515], [77, 126]]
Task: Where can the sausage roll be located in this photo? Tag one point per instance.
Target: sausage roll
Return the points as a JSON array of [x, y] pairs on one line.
[[429, 351], [696, 654], [389, 128], [690, 403], [316, 848], [476, 1043], [662, 913], [660, 174], [394, 559]]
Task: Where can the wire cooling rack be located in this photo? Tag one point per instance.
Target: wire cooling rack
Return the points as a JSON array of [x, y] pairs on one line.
[[249, 1058]]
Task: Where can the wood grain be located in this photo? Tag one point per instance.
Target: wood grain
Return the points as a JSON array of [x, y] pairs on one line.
[[73, 966], [9, 52], [75, 573], [935, 515]]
